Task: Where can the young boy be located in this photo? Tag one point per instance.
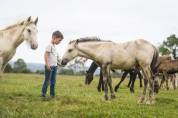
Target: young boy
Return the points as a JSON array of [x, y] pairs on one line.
[[51, 58]]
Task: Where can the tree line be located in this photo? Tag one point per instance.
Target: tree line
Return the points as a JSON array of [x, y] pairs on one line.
[[19, 66]]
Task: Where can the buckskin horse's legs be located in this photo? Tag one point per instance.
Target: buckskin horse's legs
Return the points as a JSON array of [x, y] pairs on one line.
[[151, 85], [110, 82], [142, 98], [104, 71]]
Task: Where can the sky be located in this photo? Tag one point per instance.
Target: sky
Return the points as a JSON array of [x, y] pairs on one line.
[[116, 20]]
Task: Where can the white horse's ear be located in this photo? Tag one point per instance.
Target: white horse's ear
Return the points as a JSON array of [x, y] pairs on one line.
[[75, 43], [36, 21], [29, 19]]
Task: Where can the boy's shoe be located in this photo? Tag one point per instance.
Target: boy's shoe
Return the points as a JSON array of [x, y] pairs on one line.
[[52, 96], [43, 96]]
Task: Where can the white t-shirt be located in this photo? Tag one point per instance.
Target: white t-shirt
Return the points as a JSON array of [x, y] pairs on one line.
[[52, 55]]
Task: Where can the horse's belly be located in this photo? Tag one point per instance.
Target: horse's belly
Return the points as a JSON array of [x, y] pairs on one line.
[[124, 64]]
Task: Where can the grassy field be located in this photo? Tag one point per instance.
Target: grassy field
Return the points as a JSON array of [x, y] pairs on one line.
[[20, 98]]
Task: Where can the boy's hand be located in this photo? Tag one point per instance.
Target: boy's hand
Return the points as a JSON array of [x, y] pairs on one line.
[[48, 67]]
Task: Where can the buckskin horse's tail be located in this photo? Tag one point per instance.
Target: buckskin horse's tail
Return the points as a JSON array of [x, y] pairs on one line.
[[154, 60]]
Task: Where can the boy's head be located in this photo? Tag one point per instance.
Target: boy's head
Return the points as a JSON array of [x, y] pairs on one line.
[[57, 37]]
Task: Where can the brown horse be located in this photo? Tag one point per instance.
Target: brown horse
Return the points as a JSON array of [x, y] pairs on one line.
[[166, 68]]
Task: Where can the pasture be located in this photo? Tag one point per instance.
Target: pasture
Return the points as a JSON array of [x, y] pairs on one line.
[[20, 98]]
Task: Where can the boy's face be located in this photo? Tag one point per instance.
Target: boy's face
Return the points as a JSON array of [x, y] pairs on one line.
[[57, 40]]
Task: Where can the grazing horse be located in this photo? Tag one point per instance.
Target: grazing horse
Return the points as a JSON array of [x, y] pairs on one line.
[[12, 36], [133, 74], [89, 76], [110, 55], [166, 68]]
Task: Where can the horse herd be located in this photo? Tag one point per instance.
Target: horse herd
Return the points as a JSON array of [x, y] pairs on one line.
[[132, 57], [165, 72]]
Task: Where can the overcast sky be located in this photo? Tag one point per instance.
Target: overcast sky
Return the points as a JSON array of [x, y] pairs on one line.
[[116, 20]]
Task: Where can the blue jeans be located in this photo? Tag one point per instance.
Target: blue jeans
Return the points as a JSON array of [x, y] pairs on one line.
[[49, 76]]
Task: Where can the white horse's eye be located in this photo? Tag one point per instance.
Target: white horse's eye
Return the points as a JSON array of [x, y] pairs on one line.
[[70, 50], [29, 31]]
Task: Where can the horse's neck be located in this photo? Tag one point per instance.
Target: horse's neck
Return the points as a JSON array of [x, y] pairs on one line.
[[14, 35], [87, 50], [174, 63]]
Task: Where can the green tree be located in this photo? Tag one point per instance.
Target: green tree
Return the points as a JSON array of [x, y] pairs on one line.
[[66, 71], [169, 45], [8, 68], [163, 50], [40, 71], [20, 66]]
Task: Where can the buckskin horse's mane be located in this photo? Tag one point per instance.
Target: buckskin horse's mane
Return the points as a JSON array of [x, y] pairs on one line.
[[89, 39]]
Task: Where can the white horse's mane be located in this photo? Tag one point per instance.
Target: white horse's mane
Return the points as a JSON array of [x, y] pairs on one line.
[[21, 22], [11, 26]]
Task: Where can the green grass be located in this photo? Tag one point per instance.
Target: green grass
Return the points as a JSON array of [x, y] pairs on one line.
[[20, 98]]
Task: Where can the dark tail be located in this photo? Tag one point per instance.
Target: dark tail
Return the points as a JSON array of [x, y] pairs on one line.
[[154, 61]]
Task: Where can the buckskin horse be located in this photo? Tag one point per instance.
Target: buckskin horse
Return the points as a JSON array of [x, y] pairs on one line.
[[110, 55]]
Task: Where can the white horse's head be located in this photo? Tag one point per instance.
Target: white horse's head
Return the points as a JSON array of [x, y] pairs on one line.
[[70, 53], [30, 32]]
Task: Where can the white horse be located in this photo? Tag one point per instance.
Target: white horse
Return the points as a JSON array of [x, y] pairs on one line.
[[116, 56], [12, 36]]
